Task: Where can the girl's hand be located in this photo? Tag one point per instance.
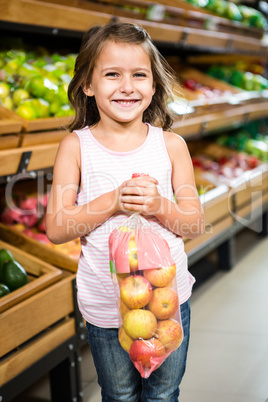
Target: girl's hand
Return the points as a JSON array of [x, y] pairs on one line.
[[140, 195]]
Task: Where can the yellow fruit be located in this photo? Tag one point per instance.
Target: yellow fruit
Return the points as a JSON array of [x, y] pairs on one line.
[[132, 256]]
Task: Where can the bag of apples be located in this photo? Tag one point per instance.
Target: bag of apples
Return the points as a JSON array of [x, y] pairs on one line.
[[143, 274]]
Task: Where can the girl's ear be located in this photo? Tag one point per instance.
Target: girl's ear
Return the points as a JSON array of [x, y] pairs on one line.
[[88, 91]]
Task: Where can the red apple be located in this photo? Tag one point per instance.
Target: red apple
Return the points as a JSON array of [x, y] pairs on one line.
[[164, 303], [143, 351], [135, 291], [160, 277], [139, 323], [124, 340], [132, 256], [169, 333], [135, 175]]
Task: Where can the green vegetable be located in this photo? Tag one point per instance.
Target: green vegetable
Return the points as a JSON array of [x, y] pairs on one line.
[[232, 12], [13, 275]]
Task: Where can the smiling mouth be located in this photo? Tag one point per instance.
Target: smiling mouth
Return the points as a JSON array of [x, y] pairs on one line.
[[126, 102]]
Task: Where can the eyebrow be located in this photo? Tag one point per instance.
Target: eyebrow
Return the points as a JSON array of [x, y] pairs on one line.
[[133, 69]]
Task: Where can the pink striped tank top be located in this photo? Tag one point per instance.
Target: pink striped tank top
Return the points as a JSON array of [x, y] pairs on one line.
[[103, 170]]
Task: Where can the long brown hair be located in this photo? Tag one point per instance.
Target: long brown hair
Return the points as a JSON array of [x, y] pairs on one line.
[[86, 110]]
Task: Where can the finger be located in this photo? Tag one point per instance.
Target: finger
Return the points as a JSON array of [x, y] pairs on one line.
[[132, 207], [132, 200], [149, 178], [136, 191], [140, 192], [132, 190], [141, 181]]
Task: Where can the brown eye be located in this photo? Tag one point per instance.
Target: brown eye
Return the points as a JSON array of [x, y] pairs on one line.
[[140, 75], [111, 74]]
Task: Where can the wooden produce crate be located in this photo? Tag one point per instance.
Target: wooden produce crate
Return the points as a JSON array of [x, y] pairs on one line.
[[40, 275], [192, 73], [211, 99], [48, 123], [16, 362], [250, 211], [206, 120], [177, 12], [30, 317], [79, 16], [249, 186], [9, 123], [42, 137], [41, 157], [42, 251], [217, 209], [210, 234], [8, 141], [215, 201], [243, 189]]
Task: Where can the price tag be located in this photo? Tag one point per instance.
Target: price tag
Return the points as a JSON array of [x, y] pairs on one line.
[[156, 12]]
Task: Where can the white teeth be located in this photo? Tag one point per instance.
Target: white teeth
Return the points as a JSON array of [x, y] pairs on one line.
[[126, 102]]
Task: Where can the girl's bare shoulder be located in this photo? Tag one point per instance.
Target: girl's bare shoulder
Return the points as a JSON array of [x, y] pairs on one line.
[[70, 139], [69, 144], [69, 148], [175, 144]]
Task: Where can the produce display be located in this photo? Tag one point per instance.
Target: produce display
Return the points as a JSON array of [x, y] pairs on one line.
[[27, 215], [195, 84], [227, 167], [143, 274], [241, 75], [248, 16], [236, 12], [256, 145], [201, 90], [12, 274], [34, 84]]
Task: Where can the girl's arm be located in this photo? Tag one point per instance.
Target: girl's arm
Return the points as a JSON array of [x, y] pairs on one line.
[[186, 218], [66, 221]]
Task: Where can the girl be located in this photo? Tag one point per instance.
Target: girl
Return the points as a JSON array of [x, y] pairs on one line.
[[120, 91]]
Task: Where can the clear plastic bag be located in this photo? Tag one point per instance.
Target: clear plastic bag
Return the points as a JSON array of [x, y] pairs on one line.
[[144, 277]]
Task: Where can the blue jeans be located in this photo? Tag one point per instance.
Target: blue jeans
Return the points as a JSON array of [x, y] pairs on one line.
[[117, 376]]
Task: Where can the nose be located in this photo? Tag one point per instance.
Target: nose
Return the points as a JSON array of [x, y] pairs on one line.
[[126, 85]]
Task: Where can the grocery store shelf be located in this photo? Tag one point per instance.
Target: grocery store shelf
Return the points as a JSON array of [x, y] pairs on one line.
[[30, 157], [10, 122], [209, 122], [55, 349], [77, 16], [225, 239], [25, 159]]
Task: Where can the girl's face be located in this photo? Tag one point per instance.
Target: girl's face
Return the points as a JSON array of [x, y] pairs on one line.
[[122, 82]]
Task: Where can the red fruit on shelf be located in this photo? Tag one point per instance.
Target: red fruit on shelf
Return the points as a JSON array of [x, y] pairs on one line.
[[10, 216], [222, 160], [190, 84], [196, 162], [29, 204], [41, 237], [253, 162], [42, 224], [30, 220]]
